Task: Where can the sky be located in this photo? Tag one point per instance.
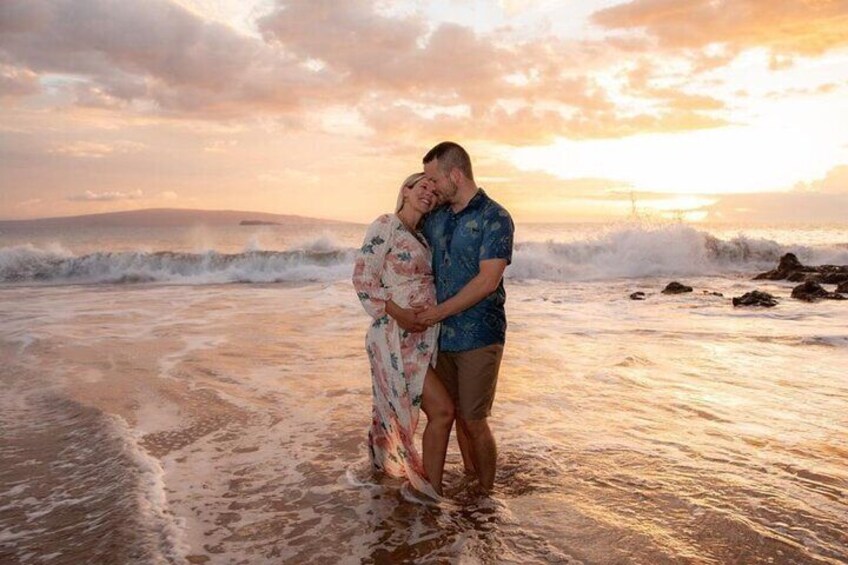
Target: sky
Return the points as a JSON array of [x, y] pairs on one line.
[[724, 111]]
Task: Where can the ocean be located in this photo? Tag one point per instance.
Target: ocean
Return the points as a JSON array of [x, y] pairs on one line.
[[202, 395]]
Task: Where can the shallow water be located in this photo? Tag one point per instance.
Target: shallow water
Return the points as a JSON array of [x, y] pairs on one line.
[[154, 412], [226, 424]]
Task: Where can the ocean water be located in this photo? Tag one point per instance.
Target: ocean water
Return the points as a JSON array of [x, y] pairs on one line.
[[201, 395]]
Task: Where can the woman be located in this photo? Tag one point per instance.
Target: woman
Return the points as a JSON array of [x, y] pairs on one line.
[[394, 279]]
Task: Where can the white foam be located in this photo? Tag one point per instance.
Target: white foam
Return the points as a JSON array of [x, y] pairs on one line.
[[627, 251], [325, 242], [648, 251], [153, 500], [30, 264]]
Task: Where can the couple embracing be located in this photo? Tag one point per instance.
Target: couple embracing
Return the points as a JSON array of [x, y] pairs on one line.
[[430, 275]]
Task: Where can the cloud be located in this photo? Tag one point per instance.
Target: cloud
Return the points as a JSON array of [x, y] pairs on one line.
[[785, 27], [89, 196], [779, 208], [96, 150], [220, 145], [28, 202], [16, 81], [835, 182], [153, 51], [412, 78], [155, 57]]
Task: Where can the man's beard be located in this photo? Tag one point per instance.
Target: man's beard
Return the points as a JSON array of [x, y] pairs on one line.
[[451, 191]]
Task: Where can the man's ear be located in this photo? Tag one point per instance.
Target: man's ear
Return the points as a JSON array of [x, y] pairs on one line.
[[454, 175]]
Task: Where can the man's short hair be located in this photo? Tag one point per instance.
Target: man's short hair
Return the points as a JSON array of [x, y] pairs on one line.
[[451, 156]]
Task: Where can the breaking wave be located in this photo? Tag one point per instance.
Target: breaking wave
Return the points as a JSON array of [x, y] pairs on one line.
[[632, 252], [626, 252], [30, 264]]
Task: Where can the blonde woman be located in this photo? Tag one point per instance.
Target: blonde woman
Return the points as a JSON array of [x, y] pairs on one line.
[[393, 278]]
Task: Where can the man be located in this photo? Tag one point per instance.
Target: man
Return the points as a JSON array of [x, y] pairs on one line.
[[471, 239]]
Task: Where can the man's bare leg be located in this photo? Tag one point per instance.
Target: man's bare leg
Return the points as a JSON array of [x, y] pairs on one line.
[[485, 451], [438, 406], [465, 448]]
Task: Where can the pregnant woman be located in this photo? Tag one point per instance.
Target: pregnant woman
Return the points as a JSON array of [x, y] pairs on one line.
[[393, 278]]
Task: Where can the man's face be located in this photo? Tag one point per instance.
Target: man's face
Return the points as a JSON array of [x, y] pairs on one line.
[[445, 188]]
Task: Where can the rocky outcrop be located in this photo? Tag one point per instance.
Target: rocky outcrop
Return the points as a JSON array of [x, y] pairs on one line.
[[791, 269], [788, 266], [639, 295], [811, 291], [755, 298], [843, 288], [676, 288]]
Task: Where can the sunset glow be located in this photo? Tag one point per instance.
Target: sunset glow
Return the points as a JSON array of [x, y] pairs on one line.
[[320, 108]]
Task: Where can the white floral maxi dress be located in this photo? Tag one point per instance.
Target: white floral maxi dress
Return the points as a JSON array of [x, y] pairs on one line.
[[394, 264]]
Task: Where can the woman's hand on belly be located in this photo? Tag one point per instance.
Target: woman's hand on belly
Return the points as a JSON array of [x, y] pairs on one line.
[[406, 317]]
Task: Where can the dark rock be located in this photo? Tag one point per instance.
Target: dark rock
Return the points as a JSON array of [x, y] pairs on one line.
[[676, 288], [637, 296], [811, 291], [843, 288], [788, 264], [714, 293], [801, 276], [826, 275], [832, 276], [755, 298], [791, 269]]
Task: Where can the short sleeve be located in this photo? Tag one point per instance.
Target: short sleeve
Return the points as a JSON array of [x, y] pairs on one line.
[[369, 266], [498, 231]]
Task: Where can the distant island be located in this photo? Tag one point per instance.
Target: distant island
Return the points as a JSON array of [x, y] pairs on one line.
[[169, 217], [258, 223]]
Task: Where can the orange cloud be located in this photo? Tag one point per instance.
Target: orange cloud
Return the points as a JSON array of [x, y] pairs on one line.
[[835, 182], [786, 27], [155, 57]]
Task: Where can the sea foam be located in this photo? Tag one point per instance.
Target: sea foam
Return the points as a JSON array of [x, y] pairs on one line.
[[623, 252]]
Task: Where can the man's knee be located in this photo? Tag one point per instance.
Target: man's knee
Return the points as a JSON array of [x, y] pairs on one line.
[[476, 428], [444, 413], [440, 413]]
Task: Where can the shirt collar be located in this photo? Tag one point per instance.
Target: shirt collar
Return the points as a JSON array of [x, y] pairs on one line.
[[475, 202]]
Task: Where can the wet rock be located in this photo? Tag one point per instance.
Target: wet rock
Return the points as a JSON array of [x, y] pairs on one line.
[[792, 270], [811, 291], [755, 298], [676, 288], [714, 293], [799, 276], [637, 296], [788, 265], [832, 276], [843, 288]]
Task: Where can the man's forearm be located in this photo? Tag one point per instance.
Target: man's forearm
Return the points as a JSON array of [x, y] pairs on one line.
[[393, 309], [404, 317], [476, 290]]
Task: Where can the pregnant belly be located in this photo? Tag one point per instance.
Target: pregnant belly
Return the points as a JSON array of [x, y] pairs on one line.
[[416, 296]]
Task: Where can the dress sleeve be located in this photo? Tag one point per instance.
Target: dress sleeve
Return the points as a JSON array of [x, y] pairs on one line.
[[369, 266]]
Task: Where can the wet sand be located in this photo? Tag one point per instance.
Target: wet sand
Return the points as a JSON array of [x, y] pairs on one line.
[[227, 423]]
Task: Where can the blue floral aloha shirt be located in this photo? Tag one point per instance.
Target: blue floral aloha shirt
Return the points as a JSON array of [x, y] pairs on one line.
[[482, 230]]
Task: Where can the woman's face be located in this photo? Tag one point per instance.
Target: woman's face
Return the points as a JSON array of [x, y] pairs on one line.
[[421, 196]]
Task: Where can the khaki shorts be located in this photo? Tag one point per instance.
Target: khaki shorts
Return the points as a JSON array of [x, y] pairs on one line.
[[471, 378]]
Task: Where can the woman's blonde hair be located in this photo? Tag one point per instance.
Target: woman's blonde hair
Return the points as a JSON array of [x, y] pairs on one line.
[[408, 183]]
